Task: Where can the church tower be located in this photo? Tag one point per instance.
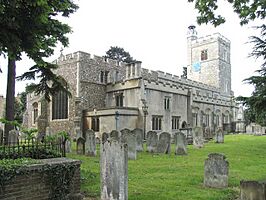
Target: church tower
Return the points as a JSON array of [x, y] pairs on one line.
[[209, 60]]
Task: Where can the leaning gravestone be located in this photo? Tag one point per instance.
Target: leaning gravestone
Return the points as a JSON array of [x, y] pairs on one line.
[[181, 144], [198, 140], [114, 135], [164, 143], [105, 137], [252, 190], [219, 136], [13, 137], [216, 171], [90, 144], [152, 141], [114, 170], [129, 138], [81, 146], [139, 137]]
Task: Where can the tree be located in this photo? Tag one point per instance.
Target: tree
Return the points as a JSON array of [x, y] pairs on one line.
[[31, 26], [118, 53], [247, 10]]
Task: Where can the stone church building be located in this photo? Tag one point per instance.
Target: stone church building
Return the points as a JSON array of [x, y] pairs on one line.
[[107, 95]]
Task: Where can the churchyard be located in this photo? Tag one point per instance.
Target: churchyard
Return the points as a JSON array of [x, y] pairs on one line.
[[173, 177]]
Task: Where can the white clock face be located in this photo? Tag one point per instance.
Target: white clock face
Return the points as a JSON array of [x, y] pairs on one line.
[[196, 67]]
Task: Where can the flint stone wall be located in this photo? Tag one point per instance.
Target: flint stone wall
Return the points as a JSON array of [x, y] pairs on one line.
[[114, 170]]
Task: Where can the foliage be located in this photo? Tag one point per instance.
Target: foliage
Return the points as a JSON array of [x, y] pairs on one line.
[[247, 11], [171, 177], [119, 54], [14, 123]]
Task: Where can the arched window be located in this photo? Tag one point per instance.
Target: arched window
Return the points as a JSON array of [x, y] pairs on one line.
[[35, 112], [60, 105]]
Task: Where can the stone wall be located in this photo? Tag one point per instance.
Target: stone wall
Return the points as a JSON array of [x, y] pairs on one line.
[[31, 184]]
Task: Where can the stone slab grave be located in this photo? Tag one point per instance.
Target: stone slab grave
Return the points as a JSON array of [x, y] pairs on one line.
[[164, 143], [81, 146], [139, 137], [114, 170], [216, 170], [219, 135], [252, 190], [105, 137], [198, 140], [129, 138], [152, 141], [90, 143], [13, 137], [180, 143]]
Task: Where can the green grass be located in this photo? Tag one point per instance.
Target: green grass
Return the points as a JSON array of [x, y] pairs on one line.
[[170, 177]]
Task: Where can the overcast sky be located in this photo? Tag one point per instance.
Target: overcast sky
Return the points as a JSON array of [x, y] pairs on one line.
[[152, 31]]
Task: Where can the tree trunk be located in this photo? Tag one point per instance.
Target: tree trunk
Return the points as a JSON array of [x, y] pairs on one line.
[[10, 96]]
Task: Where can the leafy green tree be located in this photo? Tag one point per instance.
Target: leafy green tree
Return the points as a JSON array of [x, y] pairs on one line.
[[118, 53], [32, 26], [247, 10]]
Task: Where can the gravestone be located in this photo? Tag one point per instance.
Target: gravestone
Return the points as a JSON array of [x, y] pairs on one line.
[[216, 171], [152, 141], [181, 144], [139, 137], [198, 140], [129, 138], [68, 146], [252, 190], [90, 144], [219, 136], [114, 170], [105, 137], [164, 143], [40, 137], [13, 137], [114, 135], [188, 133], [208, 134], [81, 146]]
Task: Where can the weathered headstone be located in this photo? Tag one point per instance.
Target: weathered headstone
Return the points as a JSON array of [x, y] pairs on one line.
[[208, 134], [81, 146], [129, 138], [164, 143], [114, 135], [114, 170], [152, 141], [198, 140], [188, 133], [216, 171], [252, 190], [68, 146], [13, 137], [90, 144], [105, 137], [219, 136], [139, 137], [181, 144]]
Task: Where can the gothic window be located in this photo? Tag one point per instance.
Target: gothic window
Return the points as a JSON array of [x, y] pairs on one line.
[[195, 119], [157, 122], [119, 100], [106, 76], [102, 77], [167, 103], [95, 124], [35, 112], [204, 55], [60, 105], [217, 120], [207, 120], [175, 122]]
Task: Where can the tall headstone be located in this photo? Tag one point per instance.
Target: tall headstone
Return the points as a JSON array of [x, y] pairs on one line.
[[114, 135], [198, 140], [129, 138], [164, 143], [219, 136], [216, 171], [105, 137], [90, 144], [81, 146], [252, 190], [13, 137], [139, 137], [152, 141], [181, 144], [114, 170]]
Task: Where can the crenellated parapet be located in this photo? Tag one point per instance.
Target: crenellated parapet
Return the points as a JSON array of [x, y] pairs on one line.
[[208, 38]]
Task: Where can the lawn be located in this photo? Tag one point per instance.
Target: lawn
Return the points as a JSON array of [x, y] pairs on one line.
[[170, 177]]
